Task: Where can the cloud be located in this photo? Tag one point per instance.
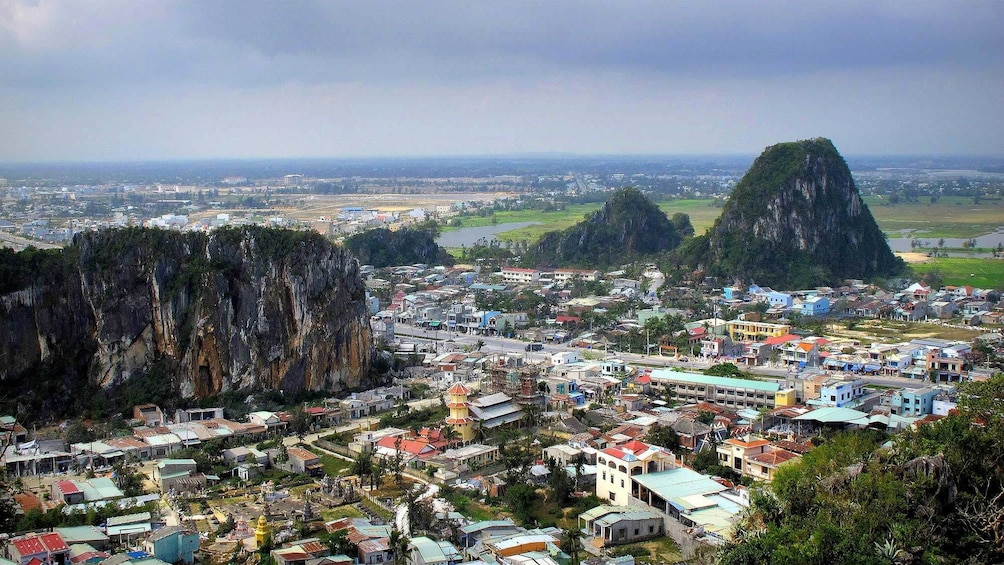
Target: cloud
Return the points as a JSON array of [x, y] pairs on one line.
[[123, 79], [253, 43]]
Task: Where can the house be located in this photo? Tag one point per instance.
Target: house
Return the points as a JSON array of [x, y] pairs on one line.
[[614, 525], [175, 474], [375, 550], [149, 415], [840, 392], [173, 544], [943, 309], [814, 306], [35, 549], [616, 465], [305, 462], [425, 551], [182, 415]]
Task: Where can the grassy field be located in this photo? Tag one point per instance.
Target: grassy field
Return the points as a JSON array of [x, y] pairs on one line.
[[660, 550], [981, 273], [333, 465], [345, 511], [949, 217], [872, 331]]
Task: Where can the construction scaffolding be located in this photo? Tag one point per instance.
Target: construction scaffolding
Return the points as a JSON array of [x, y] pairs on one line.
[[517, 380]]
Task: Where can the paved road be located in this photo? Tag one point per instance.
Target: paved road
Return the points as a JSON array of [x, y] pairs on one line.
[[449, 341]]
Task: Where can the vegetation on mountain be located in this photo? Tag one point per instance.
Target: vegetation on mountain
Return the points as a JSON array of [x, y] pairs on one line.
[[628, 227], [385, 248], [795, 219], [933, 495]]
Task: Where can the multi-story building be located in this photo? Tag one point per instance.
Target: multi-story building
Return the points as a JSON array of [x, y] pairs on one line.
[[616, 465], [753, 457], [742, 330], [517, 275], [568, 275], [691, 388], [841, 392]]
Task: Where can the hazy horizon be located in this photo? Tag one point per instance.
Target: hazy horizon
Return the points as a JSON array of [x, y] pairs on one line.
[[120, 81]]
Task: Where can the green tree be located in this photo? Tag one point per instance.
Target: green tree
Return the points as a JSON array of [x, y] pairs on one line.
[[520, 498], [299, 422], [663, 436]]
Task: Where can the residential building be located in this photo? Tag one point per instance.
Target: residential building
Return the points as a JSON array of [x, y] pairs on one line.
[[34, 549], [915, 402], [617, 465], [613, 525], [814, 306], [840, 392], [425, 551], [303, 461], [742, 330], [173, 544], [149, 414], [182, 415]]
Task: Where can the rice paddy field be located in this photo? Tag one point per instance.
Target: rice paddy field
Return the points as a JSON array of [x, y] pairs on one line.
[[960, 271], [949, 217]]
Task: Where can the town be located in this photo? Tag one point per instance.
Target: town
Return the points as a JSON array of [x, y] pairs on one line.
[[535, 416]]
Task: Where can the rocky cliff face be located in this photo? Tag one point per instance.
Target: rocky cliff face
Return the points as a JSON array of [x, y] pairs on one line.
[[234, 309], [796, 219]]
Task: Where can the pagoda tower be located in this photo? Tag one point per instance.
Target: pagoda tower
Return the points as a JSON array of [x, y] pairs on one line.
[[460, 411], [261, 532]]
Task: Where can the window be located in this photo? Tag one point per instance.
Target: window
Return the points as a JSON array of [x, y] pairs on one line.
[[622, 483], [613, 496], [636, 531], [651, 529], [604, 475]]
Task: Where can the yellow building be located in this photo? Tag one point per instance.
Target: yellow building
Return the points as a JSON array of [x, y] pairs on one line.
[[460, 412], [741, 330], [261, 531], [786, 397]]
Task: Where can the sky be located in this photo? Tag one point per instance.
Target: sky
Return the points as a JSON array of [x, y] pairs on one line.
[[114, 80]]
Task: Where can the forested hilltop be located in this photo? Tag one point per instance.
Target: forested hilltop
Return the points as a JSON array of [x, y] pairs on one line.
[[628, 227], [933, 495], [382, 247], [795, 220]]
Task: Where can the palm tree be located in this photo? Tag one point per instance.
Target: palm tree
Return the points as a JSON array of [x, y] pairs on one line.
[[571, 540], [450, 434], [398, 544], [479, 344]]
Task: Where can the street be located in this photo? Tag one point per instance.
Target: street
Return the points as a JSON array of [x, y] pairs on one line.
[[451, 341]]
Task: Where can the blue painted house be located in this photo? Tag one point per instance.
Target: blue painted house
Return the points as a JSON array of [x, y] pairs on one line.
[[173, 544], [779, 299], [815, 306]]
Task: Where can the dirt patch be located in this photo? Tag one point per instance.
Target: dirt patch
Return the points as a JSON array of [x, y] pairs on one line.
[[913, 257]]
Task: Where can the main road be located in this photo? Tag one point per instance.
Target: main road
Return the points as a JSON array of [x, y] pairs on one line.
[[453, 341]]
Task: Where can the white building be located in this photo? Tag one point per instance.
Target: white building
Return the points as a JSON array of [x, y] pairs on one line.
[[616, 465]]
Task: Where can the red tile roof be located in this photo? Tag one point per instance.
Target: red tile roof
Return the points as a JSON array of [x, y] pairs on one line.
[[67, 487], [459, 389], [29, 545], [781, 339]]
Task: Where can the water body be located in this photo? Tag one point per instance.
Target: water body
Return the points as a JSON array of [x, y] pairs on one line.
[[902, 244], [468, 236]]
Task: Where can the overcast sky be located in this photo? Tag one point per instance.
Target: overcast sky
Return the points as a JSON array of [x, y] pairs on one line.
[[126, 80]]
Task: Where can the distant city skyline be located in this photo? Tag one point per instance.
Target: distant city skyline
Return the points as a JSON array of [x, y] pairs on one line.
[[127, 81]]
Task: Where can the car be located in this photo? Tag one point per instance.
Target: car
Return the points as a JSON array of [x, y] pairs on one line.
[[534, 346]]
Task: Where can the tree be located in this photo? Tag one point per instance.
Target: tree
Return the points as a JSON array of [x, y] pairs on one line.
[[571, 539], [299, 422], [519, 498], [398, 544], [663, 436], [363, 466]]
